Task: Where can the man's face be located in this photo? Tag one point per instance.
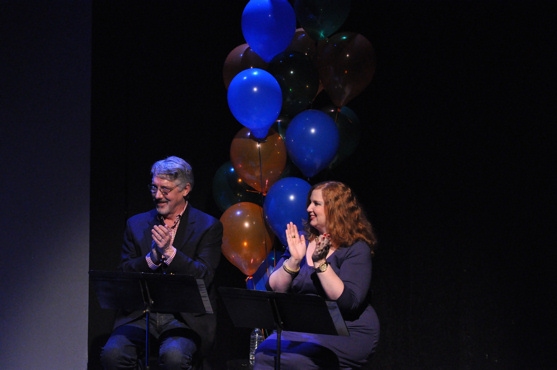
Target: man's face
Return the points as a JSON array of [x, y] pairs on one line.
[[168, 196]]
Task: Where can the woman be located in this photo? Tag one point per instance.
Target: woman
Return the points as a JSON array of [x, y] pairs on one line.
[[335, 264]]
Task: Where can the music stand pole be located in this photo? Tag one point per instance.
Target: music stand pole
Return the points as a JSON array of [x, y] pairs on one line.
[[148, 303], [279, 324], [147, 339], [277, 358]]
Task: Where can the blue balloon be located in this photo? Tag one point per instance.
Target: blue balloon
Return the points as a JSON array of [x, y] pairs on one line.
[[268, 26], [312, 141], [286, 202], [258, 280], [255, 100]]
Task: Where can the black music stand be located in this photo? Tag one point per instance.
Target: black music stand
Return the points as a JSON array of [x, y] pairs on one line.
[[283, 311], [150, 293]]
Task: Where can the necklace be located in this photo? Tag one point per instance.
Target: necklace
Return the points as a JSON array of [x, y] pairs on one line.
[[162, 221], [172, 228]]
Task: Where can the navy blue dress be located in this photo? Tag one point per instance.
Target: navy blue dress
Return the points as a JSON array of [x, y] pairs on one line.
[[307, 351]]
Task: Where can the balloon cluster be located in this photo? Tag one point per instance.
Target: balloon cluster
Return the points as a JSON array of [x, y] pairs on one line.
[[272, 83]]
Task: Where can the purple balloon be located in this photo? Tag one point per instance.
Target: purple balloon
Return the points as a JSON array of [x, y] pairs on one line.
[[312, 141], [268, 26]]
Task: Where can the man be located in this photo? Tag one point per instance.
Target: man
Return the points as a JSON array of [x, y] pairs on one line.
[[173, 238]]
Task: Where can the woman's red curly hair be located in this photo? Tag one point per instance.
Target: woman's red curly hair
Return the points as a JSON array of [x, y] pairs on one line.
[[346, 219]]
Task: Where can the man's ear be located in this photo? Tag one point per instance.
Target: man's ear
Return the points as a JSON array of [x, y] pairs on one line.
[[186, 189]]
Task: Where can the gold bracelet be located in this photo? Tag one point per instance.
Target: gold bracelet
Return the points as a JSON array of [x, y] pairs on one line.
[[290, 272]]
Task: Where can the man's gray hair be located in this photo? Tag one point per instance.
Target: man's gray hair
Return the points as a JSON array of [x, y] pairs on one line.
[[173, 169]]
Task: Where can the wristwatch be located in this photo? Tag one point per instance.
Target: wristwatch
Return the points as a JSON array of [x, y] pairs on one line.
[[322, 267]]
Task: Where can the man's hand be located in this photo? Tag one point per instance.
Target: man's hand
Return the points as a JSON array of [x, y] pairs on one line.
[[161, 237]]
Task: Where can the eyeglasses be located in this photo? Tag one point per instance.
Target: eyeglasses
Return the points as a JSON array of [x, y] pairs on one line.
[[163, 189]]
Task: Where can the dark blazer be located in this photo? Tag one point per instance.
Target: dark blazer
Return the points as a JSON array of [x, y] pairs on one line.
[[198, 243]]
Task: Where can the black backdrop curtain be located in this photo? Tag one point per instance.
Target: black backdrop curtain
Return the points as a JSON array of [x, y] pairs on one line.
[[452, 165]]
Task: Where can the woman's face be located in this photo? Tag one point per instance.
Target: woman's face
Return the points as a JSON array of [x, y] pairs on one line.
[[316, 211]]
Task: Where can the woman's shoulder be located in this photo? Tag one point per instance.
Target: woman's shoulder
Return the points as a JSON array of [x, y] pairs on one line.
[[360, 247]]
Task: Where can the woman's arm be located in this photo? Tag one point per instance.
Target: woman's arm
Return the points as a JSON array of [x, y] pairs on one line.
[[281, 279]]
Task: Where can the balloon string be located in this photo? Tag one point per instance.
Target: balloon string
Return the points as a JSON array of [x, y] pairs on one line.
[[260, 167], [264, 239]]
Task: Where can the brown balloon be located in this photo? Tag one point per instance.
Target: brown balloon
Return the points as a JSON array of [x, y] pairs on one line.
[[247, 239], [259, 163], [240, 58], [346, 64], [302, 43]]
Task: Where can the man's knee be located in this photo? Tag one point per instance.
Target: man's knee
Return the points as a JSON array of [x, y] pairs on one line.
[[115, 358], [178, 353], [176, 359]]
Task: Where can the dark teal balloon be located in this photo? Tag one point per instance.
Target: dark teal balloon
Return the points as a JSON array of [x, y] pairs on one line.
[[349, 131], [228, 189], [280, 125], [298, 79], [321, 18]]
